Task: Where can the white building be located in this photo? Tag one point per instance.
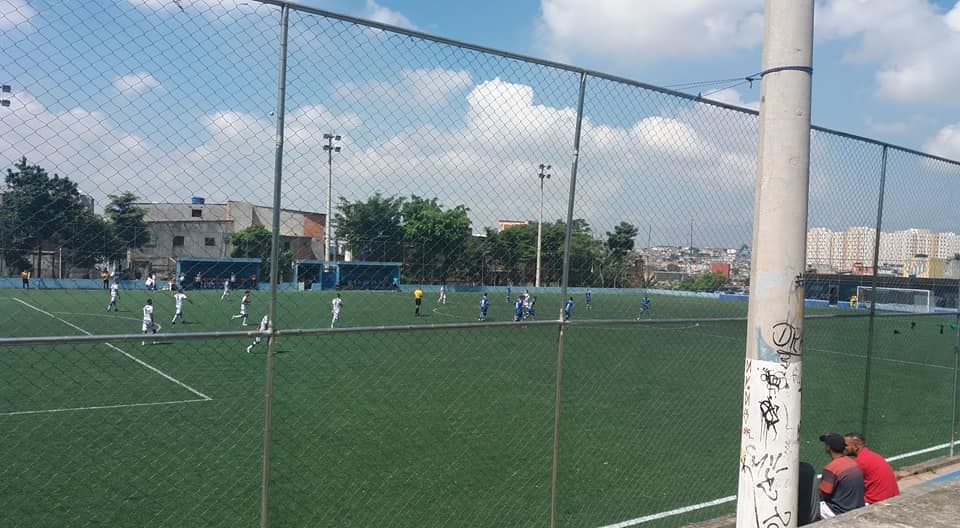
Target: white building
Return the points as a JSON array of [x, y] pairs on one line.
[[819, 243], [204, 230], [858, 243], [948, 245]]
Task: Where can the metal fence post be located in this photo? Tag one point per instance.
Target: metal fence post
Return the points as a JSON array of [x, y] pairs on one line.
[[274, 267], [956, 375], [873, 295], [555, 457]]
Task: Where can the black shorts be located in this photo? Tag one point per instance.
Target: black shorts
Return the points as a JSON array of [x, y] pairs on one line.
[[417, 301]]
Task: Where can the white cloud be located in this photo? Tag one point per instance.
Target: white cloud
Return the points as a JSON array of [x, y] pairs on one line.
[[946, 142], [384, 15], [422, 86], [665, 166], [625, 30], [914, 43], [901, 127], [732, 97], [14, 13], [135, 83]]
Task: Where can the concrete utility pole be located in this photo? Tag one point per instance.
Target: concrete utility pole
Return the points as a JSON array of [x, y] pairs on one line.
[[770, 434]]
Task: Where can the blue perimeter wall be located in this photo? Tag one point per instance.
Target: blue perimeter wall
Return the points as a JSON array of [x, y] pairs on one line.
[[97, 284]]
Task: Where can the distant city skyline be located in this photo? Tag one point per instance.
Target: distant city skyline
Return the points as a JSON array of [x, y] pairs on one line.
[[843, 250]]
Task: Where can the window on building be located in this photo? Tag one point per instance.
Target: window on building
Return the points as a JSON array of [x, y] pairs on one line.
[[196, 213], [178, 241], [209, 241]]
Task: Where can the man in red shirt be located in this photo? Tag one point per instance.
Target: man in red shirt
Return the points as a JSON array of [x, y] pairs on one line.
[[879, 481]]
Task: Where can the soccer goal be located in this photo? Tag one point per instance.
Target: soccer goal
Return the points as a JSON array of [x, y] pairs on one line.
[[896, 299]]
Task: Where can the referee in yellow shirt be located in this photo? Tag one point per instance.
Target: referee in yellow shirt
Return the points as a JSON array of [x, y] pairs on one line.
[[417, 299]]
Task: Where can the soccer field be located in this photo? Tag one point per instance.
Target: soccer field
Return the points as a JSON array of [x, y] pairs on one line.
[[446, 427]]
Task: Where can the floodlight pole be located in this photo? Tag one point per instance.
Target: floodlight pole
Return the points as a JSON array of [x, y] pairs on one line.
[[770, 432], [330, 137], [542, 175]]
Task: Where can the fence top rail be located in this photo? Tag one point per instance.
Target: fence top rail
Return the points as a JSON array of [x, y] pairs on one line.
[[576, 69], [291, 332]]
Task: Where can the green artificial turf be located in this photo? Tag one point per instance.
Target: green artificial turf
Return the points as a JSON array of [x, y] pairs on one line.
[[447, 427]]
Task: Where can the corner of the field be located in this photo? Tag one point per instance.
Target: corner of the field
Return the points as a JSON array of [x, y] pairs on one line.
[[929, 499]]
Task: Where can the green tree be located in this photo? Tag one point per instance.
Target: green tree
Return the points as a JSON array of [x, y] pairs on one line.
[[434, 238], [256, 242], [42, 211], [512, 253], [126, 221], [620, 242], [703, 281], [372, 228]]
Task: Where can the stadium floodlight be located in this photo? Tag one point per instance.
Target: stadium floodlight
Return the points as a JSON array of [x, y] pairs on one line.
[[543, 175], [330, 148]]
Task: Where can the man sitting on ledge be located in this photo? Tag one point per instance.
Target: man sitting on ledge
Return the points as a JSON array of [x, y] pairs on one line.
[[878, 479], [841, 482]]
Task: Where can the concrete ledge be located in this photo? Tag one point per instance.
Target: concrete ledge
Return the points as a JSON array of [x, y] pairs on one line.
[[927, 506], [727, 521], [909, 478]]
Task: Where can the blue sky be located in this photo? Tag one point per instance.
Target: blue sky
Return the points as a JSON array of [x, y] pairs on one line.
[[846, 92], [143, 95]]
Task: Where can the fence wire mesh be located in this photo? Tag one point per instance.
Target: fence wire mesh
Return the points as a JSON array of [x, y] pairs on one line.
[[431, 366]]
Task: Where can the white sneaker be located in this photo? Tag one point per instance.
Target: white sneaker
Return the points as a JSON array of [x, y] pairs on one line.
[[249, 348], [143, 343]]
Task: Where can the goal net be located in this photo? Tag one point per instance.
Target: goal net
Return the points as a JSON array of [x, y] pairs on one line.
[[895, 299]]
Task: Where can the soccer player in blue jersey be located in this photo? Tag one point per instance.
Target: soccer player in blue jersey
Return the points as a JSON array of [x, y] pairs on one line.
[[518, 309], [644, 307], [568, 309], [484, 306], [589, 299], [532, 309], [508, 292]]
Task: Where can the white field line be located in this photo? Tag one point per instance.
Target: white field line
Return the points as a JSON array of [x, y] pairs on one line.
[[104, 316], [723, 500], [848, 354], [671, 513], [98, 407], [139, 361]]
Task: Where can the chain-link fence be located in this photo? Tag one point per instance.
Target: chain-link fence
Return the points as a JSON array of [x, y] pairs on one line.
[[266, 262]]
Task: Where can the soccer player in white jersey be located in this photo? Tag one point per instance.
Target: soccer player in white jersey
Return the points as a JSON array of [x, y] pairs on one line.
[[114, 295], [263, 328], [148, 324], [226, 290], [178, 298], [244, 302], [442, 298], [335, 306]]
